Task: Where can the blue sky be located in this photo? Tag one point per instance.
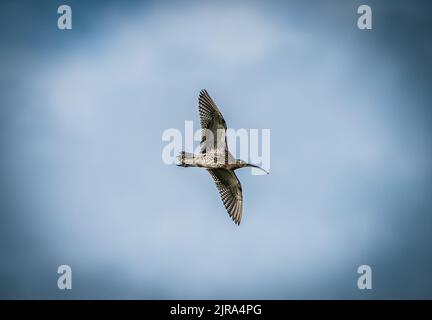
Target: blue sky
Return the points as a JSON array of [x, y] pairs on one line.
[[83, 182]]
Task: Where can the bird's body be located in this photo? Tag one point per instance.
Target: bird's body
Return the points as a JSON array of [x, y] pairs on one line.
[[208, 160], [216, 158]]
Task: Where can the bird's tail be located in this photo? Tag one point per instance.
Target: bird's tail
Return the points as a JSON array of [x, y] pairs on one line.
[[185, 159]]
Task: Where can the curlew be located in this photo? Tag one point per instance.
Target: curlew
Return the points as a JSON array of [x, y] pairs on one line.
[[216, 158]]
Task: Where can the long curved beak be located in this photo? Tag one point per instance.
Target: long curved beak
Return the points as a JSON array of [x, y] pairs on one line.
[[255, 166]]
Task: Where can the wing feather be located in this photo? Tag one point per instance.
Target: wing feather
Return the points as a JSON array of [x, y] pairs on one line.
[[230, 191], [212, 121]]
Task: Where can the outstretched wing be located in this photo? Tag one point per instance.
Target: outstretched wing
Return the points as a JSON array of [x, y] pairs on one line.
[[212, 122], [230, 191]]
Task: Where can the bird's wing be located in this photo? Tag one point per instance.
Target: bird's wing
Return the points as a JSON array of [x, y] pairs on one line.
[[212, 121], [230, 191]]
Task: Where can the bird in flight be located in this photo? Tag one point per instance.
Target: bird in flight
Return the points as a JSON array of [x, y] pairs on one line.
[[216, 158]]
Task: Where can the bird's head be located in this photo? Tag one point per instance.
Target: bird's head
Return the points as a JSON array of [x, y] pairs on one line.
[[243, 164]]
